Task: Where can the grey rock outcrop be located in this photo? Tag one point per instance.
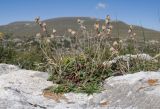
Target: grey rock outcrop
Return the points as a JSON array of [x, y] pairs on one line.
[[23, 89], [128, 57]]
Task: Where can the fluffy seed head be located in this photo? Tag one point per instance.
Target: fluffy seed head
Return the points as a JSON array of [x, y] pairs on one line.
[[134, 34], [38, 35], [129, 31], [80, 21], [44, 24], [69, 30], [108, 31], [37, 19], [54, 31], [43, 29], [115, 52], [52, 36], [48, 40], [131, 26], [121, 41], [73, 33], [132, 38], [115, 44], [83, 27], [110, 27], [103, 27], [107, 64], [107, 19]]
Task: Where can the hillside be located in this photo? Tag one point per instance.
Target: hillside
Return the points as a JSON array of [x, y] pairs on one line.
[[23, 29]]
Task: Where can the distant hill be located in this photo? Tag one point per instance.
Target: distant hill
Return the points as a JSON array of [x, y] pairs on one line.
[[28, 28]]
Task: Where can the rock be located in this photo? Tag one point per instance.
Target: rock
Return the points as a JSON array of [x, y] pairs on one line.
[[4, 68], [137, 91], [23, 89], [103, 102], [128, 57]]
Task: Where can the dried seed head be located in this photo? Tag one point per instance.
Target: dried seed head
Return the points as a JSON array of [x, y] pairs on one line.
[[121, 41], [38, 35], [107, 64], [110, 27], [107, 19], [52, 36], [83, 27], [115, 44], [129, 31], [44, 24], [99, 34], [131, 26], [37, 19], [44, 29], [80, 21], [73, 33], [54, 31], [108, 31], [103, 27], [115, 52], [40, 23], [132, 38], [48, 40], [69, 30]]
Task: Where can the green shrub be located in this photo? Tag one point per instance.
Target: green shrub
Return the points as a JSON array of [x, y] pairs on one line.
[[7, 54]]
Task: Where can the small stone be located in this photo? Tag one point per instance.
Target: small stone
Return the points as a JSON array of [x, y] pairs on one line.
[[103, 102], [90, 97], [152, 82]]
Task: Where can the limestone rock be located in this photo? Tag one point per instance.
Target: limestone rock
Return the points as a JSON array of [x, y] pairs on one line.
[[23, 89]]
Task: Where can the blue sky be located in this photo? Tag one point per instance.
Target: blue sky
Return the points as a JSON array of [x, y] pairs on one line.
[[138, 12]]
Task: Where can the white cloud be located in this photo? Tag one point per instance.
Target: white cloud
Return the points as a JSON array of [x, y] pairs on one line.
[[101, 6]]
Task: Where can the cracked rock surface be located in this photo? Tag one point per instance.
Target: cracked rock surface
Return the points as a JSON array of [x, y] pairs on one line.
[[23, 89]]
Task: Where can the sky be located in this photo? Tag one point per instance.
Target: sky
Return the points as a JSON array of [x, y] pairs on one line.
[[144, 13]]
